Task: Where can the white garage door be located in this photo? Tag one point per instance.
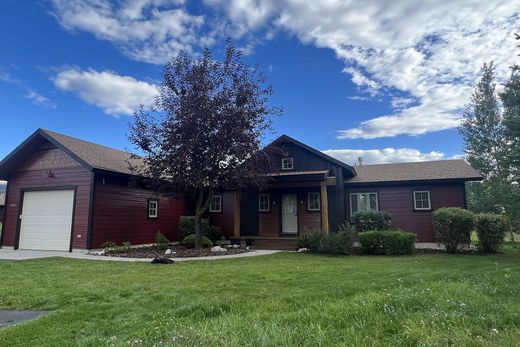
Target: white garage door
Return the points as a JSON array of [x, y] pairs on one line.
[[46, 220]]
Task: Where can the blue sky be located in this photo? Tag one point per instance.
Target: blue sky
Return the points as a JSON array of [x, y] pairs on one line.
[[383, 81]]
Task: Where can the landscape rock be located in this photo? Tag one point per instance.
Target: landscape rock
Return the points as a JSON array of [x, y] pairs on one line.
[[218, 249], [301, 250], [162, 261], [236, 246], [168, 251]]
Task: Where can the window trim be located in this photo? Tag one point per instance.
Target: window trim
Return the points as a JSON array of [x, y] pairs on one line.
[[358, 193], [220, 204], [415, 200], [309, 200], [149, 201], [286, 168], [268, 202]]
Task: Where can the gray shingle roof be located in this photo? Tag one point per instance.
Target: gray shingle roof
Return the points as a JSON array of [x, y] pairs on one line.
[[94, 155], [417, 171]]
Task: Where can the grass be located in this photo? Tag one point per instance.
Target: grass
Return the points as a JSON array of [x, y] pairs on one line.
[[278, 300]]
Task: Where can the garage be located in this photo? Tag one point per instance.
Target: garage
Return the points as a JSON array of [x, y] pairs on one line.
[[46, 220]]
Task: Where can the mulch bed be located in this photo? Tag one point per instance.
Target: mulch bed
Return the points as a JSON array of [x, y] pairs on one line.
[[177, 252]]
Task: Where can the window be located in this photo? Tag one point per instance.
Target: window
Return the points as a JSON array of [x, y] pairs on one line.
[[215, 205], [153, 208], [263, 203], [363, 202], [287, 163], [313, 201], [421, 200]]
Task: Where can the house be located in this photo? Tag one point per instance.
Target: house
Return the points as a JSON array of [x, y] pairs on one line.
[[313, 191], [68, 194]]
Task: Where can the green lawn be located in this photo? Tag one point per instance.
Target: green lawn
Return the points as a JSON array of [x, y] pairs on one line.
[[277, 300]]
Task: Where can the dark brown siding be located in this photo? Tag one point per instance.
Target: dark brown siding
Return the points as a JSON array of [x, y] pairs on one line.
[[225, 219], [270, 221], [63, 177], [121, 213], [398, 201]]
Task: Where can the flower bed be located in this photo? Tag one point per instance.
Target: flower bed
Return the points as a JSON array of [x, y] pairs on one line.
[[177, 252]]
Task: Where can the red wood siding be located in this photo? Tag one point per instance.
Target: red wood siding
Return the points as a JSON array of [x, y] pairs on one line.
[[63, 177], [225, 219], [121, 214], [270, 221], [398, 201]]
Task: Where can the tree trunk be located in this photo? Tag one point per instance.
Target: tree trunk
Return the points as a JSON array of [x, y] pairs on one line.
[[201, 207], [198, 219]]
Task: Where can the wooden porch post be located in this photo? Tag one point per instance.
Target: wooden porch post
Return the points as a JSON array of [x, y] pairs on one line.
[[236, 215], [324, 208]]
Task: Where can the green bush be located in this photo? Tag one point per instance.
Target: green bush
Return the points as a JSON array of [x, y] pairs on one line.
[[125, 247], [491, 229], [189, 241], [452, 226], [161, 241], [387, 242], [340, 242], [187, 227], [365, 221], [108, 244]]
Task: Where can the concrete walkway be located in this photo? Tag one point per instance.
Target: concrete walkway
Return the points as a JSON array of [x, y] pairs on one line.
[[9, 254]]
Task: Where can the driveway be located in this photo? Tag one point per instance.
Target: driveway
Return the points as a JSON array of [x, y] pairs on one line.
[[22, 254]]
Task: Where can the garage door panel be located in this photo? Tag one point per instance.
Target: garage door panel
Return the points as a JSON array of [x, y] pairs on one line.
[[46, 220]]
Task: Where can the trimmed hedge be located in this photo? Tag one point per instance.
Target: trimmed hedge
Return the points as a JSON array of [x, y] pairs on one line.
[[387, 242], [491, 229], [340, 242], [187, 227], [189, 241], [452, 226], [365, 221]]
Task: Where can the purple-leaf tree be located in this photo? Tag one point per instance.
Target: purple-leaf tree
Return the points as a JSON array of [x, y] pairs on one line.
[[204, 133]]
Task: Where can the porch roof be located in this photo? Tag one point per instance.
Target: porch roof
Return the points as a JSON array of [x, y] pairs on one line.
[[302, 176]]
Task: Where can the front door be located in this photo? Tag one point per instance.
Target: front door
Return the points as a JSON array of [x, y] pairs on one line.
[[289, 214]]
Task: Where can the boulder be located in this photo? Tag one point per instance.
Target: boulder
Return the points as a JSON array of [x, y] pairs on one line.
[[168, 251], [301, 250], [218, 249], [162, 261]]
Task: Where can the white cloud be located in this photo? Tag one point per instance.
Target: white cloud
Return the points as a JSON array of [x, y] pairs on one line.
[[429, 51], [383, 156], [146, 30], [115, 94], [39, 99]]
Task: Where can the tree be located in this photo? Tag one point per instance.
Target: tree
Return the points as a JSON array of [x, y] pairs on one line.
[[204, 133], [482, 129], [486, 149]]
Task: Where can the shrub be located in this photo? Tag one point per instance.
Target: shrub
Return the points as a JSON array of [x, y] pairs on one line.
[[452, 227], [189, 241], [125, 247], [491, 229], [340, 242], [365, 221], [387, 242], [161, 241], [108, 244], [311, 239], [187, 227]]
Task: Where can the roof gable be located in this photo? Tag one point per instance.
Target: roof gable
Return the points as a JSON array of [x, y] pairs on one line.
[[287, 139], [87, 154]]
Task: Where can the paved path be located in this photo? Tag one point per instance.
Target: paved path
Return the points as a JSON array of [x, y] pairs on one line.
[[9, 254]]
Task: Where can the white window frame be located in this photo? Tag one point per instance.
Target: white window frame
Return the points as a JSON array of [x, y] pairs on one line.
[[264, 195], [212, 203], [309, 201], [429, 208], [361, 193], [150, 208], [286, 162]]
